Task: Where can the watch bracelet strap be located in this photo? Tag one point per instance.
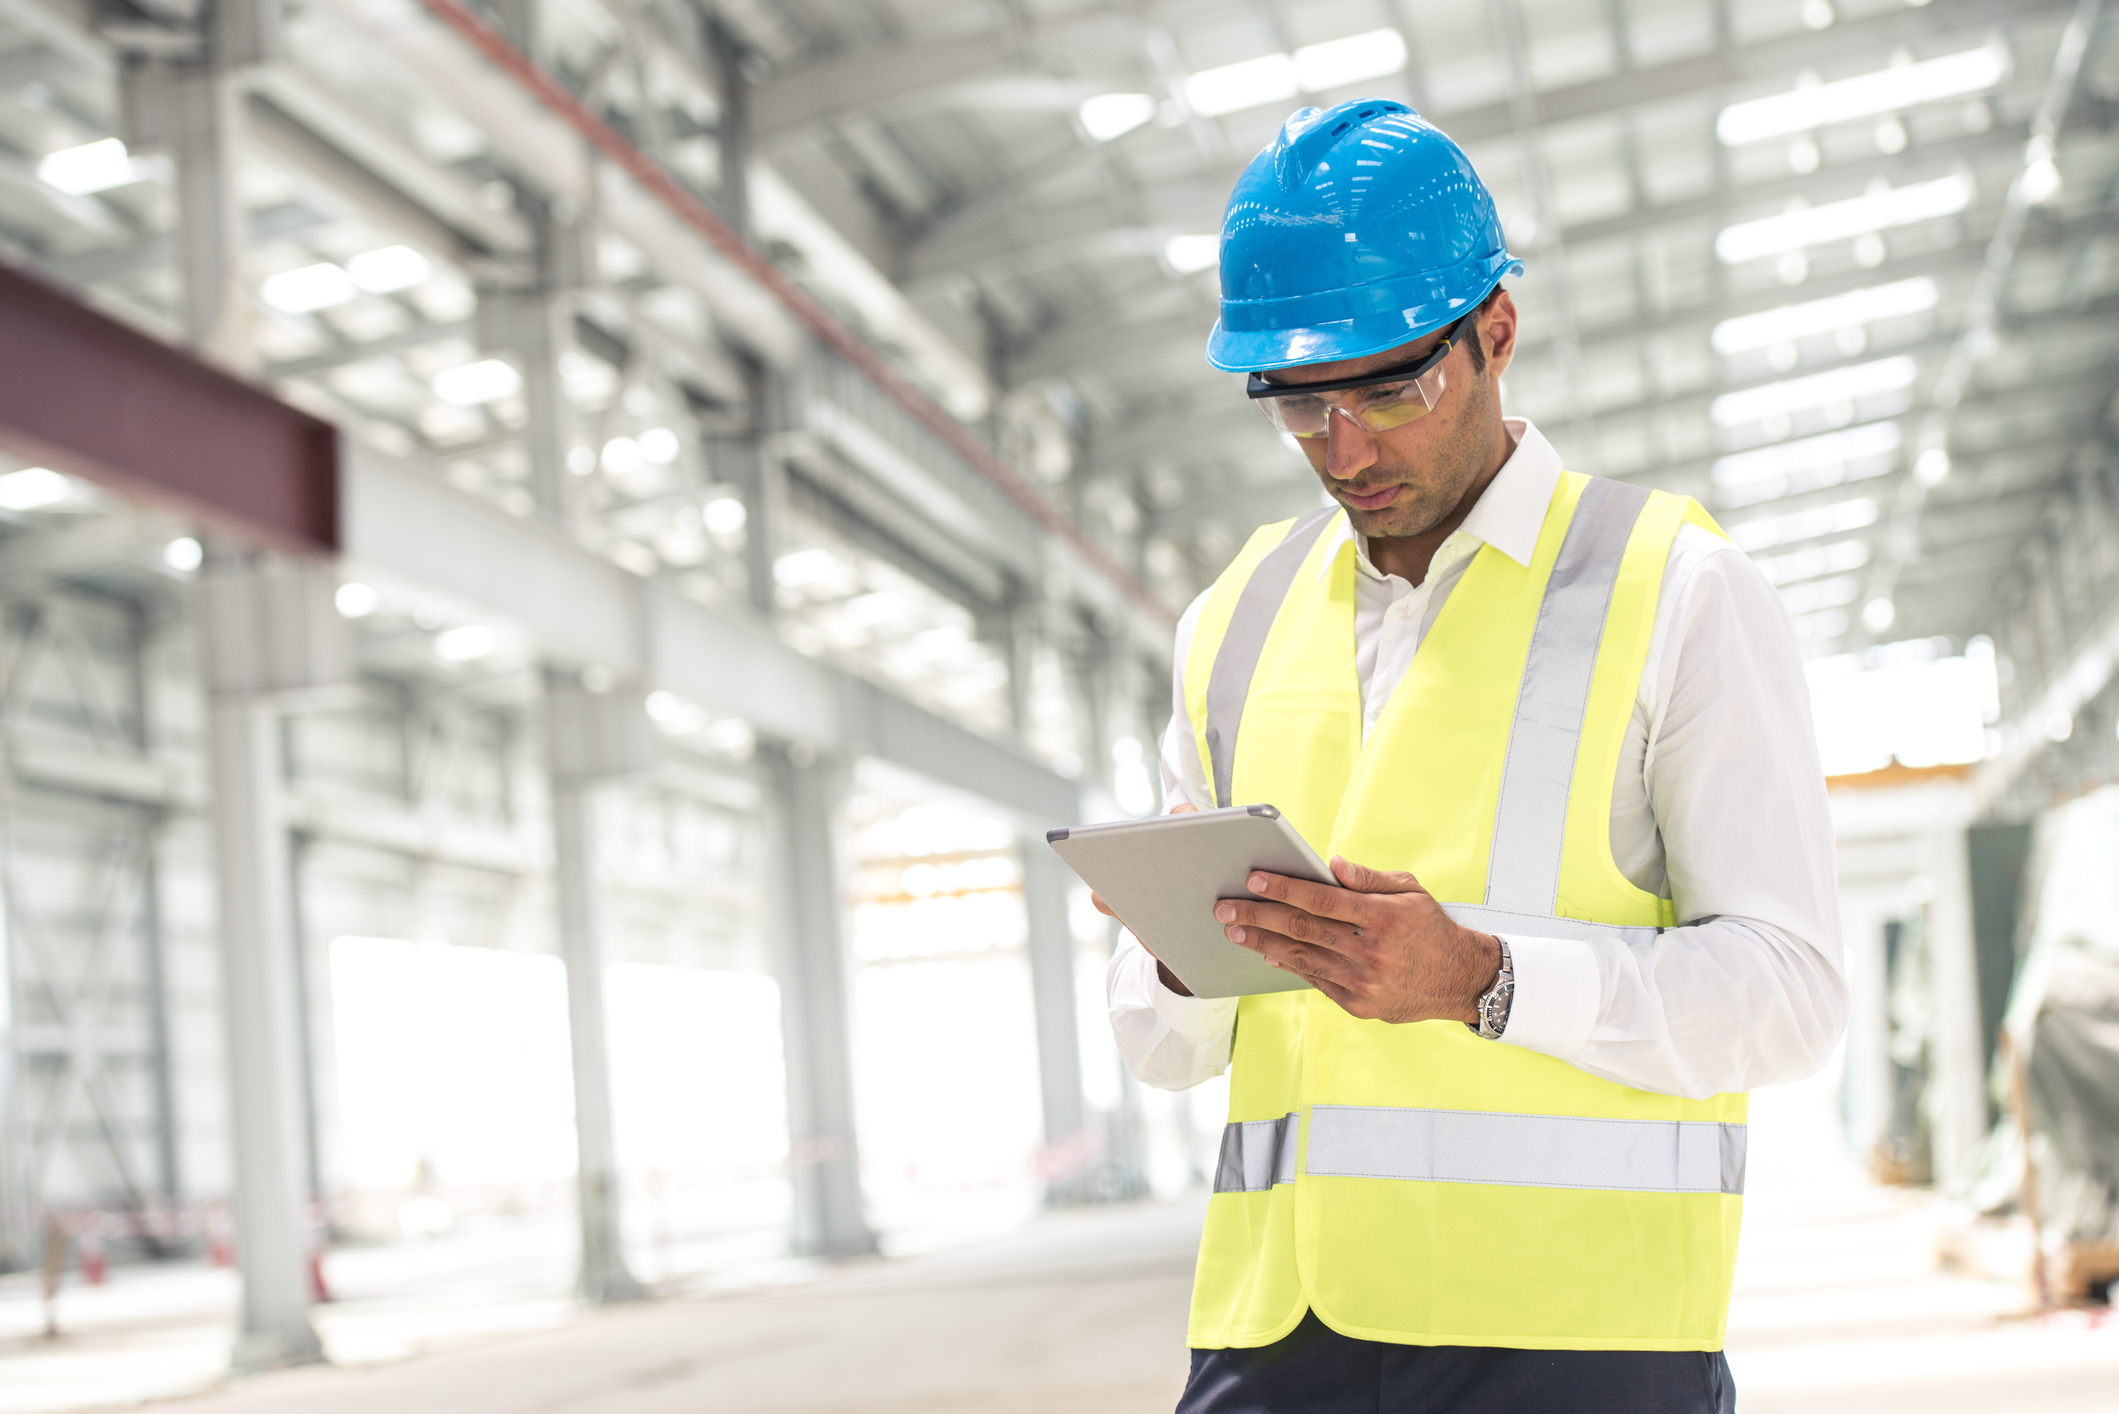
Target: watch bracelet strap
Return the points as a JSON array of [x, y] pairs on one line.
[[1494, 1007]]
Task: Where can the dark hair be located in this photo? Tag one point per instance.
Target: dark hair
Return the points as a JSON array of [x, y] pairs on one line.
[[1472, 345]]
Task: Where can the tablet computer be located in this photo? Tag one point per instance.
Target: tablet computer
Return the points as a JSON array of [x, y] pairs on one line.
[[1164, 876]]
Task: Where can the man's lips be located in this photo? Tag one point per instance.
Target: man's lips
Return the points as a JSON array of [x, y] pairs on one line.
[[1373, 501]]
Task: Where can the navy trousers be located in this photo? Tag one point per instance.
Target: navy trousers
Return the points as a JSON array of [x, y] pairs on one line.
[[1316, 1370]]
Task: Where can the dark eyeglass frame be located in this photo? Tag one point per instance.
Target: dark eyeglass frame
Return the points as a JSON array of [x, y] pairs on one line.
[[1257, 387]]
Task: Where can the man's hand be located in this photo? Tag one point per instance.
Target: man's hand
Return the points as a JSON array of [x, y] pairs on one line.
[[1380, 946], [1169, 978]]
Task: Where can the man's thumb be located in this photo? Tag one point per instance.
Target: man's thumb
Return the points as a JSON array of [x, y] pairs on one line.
[[1364, 880]]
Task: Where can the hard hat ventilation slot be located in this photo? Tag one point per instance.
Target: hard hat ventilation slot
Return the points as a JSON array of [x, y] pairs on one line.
[[1308, 135]]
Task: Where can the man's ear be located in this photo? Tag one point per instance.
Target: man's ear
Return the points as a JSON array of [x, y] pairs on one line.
[[1497, 332]]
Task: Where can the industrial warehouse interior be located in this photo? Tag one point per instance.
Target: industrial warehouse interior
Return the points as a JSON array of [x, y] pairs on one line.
[[560, 558]]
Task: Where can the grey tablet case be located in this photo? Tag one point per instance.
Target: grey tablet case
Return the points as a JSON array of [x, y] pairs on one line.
[[1163, 877]]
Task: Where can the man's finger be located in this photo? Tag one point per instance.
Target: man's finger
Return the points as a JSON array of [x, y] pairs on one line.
[[1280, 918], [1321, 899], [1347, 1000], [1312, 963], [1334, 992], [1362, 879]]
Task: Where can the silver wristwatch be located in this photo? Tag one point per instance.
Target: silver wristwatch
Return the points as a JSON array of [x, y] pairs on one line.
[[1493, 1007]]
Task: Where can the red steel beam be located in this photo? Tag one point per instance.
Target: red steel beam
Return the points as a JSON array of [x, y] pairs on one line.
[[83, 393], [496, 46]]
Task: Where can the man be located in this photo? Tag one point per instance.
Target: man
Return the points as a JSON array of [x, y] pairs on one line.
[[1553, 734]]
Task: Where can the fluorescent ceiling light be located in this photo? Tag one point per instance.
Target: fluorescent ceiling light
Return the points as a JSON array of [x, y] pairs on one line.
[[356, 600], [1354, 59], [476, 383], [1841, 385], [1189, 253], [1268, 79], [1886, 91], [1275, 78], [805, 567], [309, 289], [1809, 464], [1836, 558], [1822, 316], [184, 554], [1111, 115], [883, 606], [1821, 594], [1841, 220], [91, 167], [34, 488], [465, 644], [386, 271], [659, 445], [1833, 519], [2041, 181], [1855, 444]]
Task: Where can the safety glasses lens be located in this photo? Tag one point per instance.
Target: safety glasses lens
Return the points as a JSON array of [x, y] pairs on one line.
[[1378, 409]]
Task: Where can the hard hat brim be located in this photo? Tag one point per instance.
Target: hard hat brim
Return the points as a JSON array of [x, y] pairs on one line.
[[1329, 341]]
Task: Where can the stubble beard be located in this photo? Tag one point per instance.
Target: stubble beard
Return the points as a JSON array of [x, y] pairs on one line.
[[1433, 490]]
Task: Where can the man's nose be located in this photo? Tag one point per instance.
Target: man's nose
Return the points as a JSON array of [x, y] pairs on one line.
[[1348, 451]]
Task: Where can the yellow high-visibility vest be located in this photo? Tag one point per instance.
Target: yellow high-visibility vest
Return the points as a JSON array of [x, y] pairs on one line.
[[1415, 1183]]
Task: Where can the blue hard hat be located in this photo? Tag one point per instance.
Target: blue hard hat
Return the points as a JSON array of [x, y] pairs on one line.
[[1361, 228]]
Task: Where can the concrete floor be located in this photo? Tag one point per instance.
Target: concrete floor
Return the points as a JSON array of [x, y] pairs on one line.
[[1080, 1314], [1839, 1307]]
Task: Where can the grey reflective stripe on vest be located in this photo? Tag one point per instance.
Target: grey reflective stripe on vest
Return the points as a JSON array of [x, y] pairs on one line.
[[1536, 1151], [1245, 642], [1523, 875], [1255, 1155], [1546, 925]]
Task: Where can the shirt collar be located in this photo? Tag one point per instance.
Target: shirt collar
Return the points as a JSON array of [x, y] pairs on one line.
[[1508, 515]]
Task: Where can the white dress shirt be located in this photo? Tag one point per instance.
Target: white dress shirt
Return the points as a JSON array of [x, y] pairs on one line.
[[1719, 800]]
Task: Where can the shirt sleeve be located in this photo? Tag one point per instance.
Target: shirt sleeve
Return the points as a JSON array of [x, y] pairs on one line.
[[1752, 990], [1169, 1041]]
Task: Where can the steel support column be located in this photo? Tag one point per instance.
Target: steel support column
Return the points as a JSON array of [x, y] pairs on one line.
[[1958, 1055], [805, 791], [258, 1001], [589, 738], [17, 1215], [752, 464], [1868, 1087], [531, 323], [204, 115], [1046, 885]]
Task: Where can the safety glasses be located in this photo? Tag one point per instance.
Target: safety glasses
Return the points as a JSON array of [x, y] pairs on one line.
[[1374, 402]]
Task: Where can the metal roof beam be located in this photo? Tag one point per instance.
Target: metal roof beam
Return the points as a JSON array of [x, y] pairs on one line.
[[408, 525]]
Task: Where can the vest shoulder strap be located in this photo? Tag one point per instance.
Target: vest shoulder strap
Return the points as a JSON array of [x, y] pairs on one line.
[[1229, 682], [1530, 822]]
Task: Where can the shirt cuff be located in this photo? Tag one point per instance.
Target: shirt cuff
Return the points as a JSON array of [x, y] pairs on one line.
[[1194, 1018], [1558, 994]]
